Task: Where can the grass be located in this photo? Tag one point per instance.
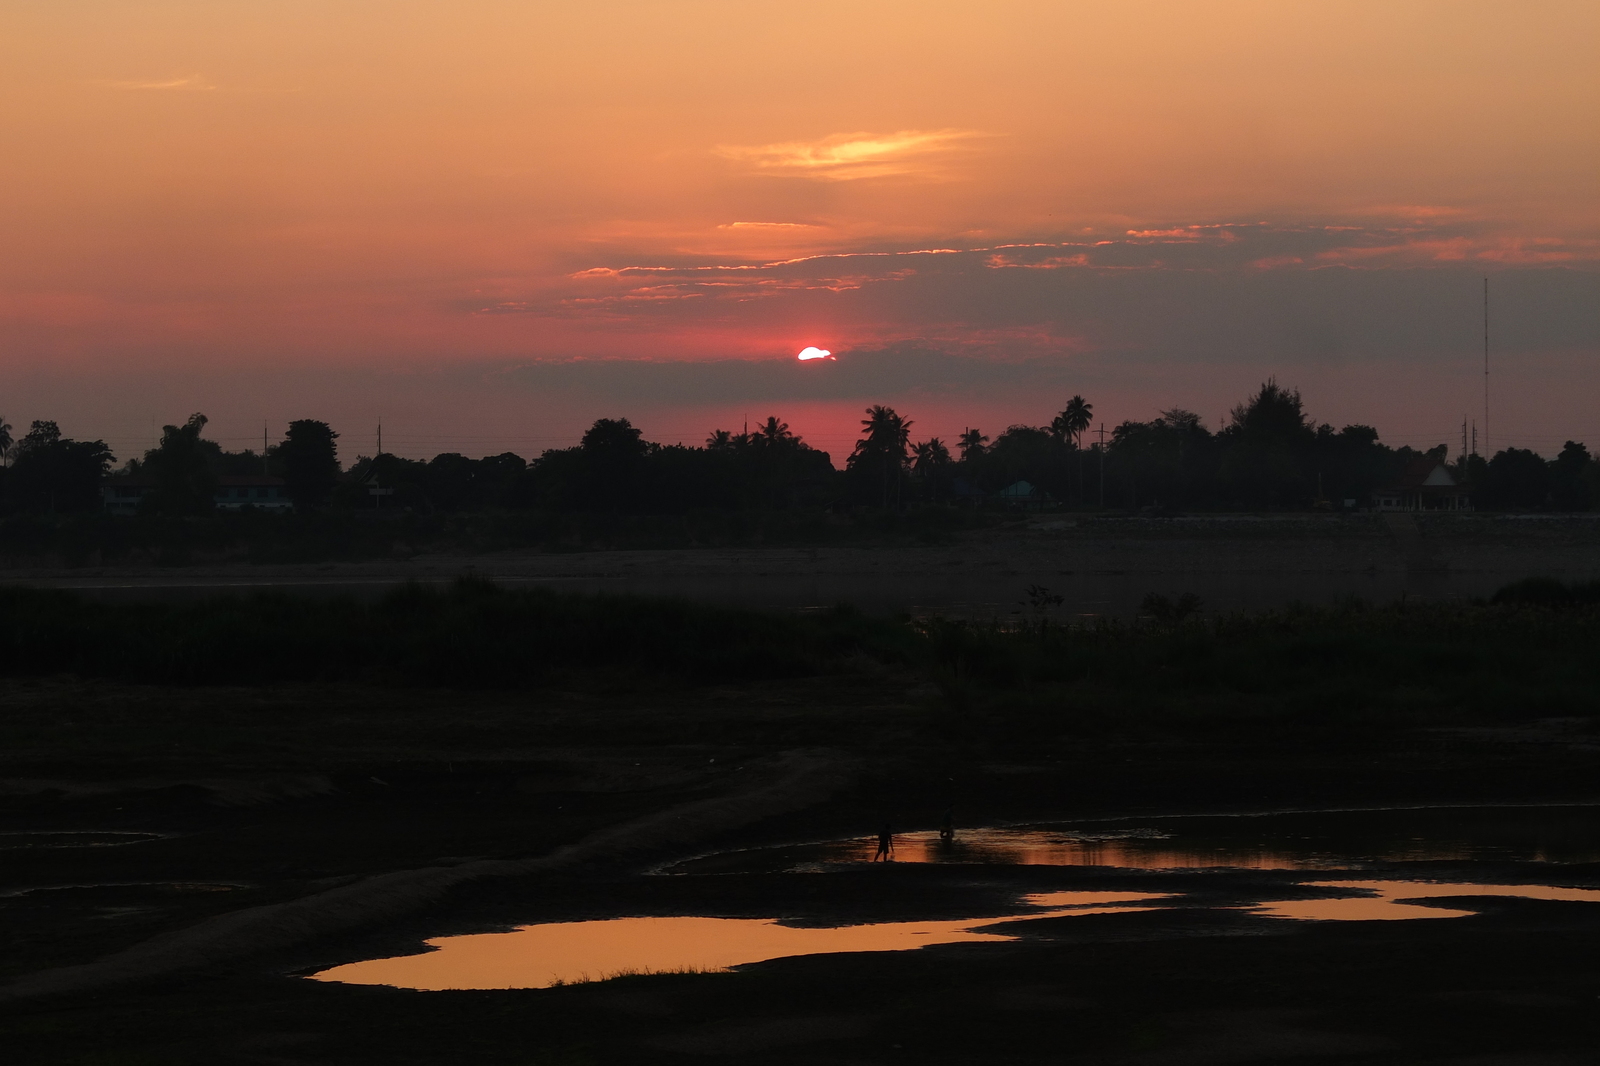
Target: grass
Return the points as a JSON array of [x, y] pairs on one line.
[[470, 635], [1336, 676]]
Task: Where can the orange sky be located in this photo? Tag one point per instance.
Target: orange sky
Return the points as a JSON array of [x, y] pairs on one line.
[[411, 209]]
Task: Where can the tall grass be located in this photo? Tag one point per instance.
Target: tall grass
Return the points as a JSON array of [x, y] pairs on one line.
[[1351, 666], [470, 635]]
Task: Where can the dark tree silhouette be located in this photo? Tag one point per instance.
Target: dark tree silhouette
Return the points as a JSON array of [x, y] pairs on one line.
[[1518, 480], [879, 458], [54, 473], [931, 464], [1070, 424], [1570, 488], [185, 482], [971, 444], [1274, 414], [309, 459]]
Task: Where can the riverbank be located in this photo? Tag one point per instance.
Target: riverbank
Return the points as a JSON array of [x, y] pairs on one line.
[[131, 812]]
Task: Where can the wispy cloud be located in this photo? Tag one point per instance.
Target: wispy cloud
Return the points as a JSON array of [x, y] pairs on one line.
[[1174, 251], [763, 226], [194, 83], [852, 156]]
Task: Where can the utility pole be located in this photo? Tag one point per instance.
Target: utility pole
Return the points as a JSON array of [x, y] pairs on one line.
[[265, 472], [380, 436], [1102, 466]]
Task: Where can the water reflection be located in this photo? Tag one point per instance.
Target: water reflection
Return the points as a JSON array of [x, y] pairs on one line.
[[1322, 840], [1383, 900], [539, 956]]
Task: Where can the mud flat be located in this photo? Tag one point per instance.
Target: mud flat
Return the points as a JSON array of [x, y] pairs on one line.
[[1099, 565], [213, 849]]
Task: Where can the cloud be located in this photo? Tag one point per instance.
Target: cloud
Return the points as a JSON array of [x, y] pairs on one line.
[[193, 83], [853, 156]]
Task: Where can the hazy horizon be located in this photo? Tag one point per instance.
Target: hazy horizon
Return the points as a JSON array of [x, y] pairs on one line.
[[489, 224]]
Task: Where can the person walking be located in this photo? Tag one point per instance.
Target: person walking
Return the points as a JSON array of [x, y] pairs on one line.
[[885, 844]]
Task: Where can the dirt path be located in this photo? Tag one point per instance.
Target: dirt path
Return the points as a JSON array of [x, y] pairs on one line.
[[793, 782]]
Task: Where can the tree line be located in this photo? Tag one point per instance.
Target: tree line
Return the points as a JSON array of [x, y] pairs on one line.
[[1270, 455]]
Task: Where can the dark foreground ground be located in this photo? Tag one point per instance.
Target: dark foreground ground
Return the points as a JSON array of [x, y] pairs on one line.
[[281, 791]]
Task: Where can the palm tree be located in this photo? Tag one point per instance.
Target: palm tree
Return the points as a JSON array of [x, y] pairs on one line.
[[5, 440], [1071, 423], [773, 433], [931, 460], [1074, 420], [971, 443], [882, 445], [929, 456], [720, 440]]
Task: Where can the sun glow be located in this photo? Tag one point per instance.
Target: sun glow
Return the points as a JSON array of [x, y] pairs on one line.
[[815, 353]]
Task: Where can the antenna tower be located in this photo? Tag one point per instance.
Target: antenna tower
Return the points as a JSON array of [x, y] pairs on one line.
[[1486, 365]]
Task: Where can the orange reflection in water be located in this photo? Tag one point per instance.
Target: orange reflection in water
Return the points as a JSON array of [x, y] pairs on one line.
[[1032, 847], [538, 956], [1384, 903]]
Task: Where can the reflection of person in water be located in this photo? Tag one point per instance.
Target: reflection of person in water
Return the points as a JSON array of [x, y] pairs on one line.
[[947, 826], [885, 845]]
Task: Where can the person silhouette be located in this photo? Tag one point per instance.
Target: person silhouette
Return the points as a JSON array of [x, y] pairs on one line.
[[885, 844], [947, 826]]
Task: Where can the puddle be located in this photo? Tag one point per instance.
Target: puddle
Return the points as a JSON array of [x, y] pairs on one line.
[[1320, 840], [72, 839], [1386, 900], [1352, 842], [539, 956]]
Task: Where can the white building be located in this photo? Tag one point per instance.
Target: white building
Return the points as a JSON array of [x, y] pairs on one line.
[[234, 492], [1426, 485]]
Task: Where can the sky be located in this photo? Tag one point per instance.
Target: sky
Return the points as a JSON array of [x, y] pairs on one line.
[[486, 223]]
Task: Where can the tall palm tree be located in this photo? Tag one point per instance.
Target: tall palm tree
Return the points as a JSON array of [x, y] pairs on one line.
[[1071, 423], [1074, 420], [882, 445], [931, 460]]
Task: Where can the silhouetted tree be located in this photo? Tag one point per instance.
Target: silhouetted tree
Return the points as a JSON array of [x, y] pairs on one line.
[[1025, 453], [613, 452], [5, 441], [1170, 461], [879, 459], [1070, 424], [309, 459], [1072, 421], [1518, 480], [54, 473], [1268, 449], [971, 443], [1570, 488], [185, 481], [931, 464]]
